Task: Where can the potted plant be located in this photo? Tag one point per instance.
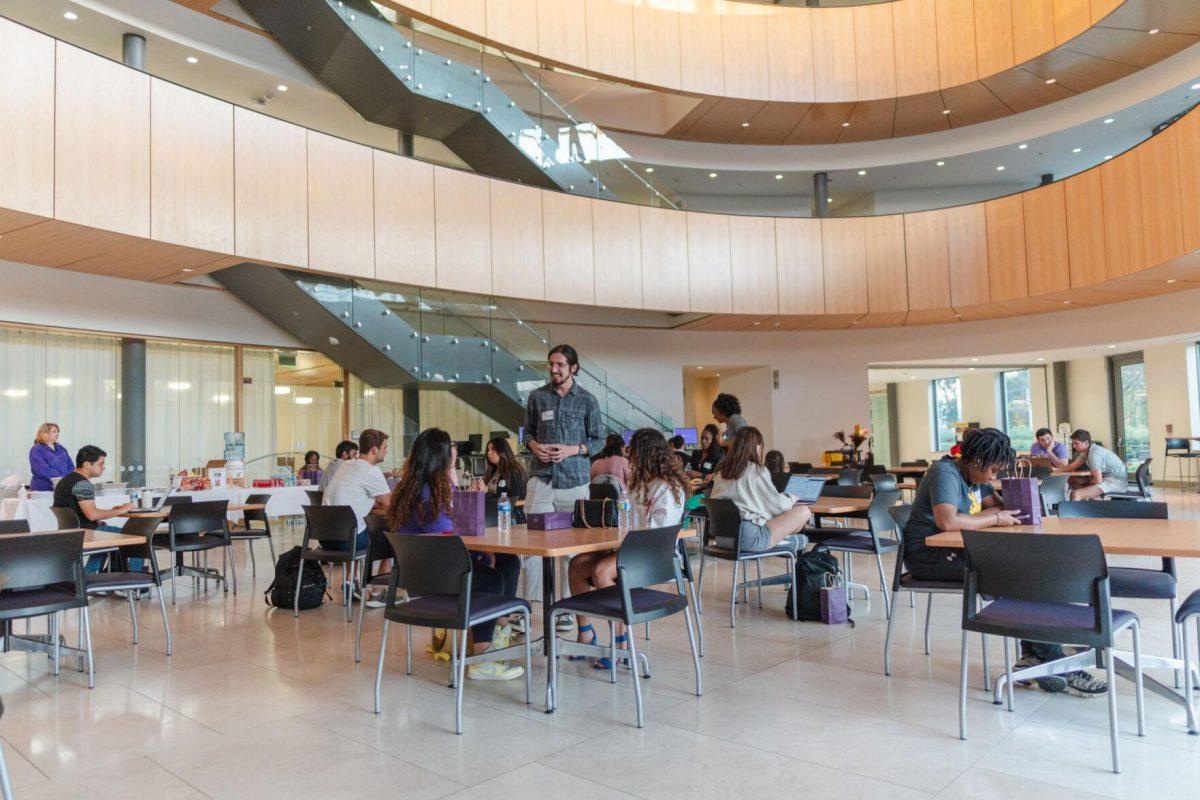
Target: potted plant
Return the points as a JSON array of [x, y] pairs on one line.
[[851, 442]]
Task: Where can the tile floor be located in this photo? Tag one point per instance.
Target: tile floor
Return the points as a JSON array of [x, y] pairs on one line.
[[256, 704]]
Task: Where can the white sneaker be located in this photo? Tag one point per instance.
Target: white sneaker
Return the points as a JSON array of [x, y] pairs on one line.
[[518, 625], [502, 637], [565, 623], [494, 671]]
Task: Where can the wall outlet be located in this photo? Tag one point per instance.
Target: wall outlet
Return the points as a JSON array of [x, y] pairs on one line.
[[1170, 428]]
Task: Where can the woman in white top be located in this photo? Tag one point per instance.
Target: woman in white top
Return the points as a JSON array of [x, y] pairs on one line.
[[657, 492], [768, 515]]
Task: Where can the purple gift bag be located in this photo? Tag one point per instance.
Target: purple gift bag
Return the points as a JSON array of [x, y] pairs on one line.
[[467, 512], [834, 609], [1022, 494]]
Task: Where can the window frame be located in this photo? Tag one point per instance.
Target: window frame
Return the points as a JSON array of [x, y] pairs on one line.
[[934, 431], [1003, 391]]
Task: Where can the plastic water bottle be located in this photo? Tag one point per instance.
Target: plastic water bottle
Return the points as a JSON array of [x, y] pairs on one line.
[[624, 512], [503, 509]]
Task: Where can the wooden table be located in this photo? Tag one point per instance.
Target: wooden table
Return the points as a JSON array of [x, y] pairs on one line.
[[832, 506], [1161, 538], [907, 485], [908, 470], [107, 540]]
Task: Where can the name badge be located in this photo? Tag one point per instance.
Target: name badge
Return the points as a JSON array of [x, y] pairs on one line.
[[707, 465], [548, 415]]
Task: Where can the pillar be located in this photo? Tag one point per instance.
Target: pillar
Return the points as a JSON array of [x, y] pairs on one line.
[[406, 144], [133, 412], [410, 400], [133, 51], [821, 194]]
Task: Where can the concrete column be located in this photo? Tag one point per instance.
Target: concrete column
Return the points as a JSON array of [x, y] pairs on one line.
[[821, 194], [133, 51], [133, 412], [406, 144]]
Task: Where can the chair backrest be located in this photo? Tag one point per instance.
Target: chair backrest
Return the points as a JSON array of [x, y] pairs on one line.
[[647, 557], [33, 560], [875, 469], [315, 497], [1054, 491], [1041, 473], [1177, 443], [780, 480], [258, 514], [430, 564], [8, 526], [65, 517], [1035, 567], [207, 516], [1142, 476], [724, 521], [178, 500], [860, 491], [882, 481], [852, 476], [330, 523], [146, 527], [920, 462], [1109, 509], [900, 515], [825, 471], [604, 489], [879, 515], [799, 466]]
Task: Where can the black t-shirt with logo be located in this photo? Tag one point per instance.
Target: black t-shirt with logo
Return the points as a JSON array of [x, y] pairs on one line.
[[69, 490]]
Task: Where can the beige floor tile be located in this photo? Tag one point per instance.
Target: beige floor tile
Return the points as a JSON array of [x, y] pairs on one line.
[[538, 780]]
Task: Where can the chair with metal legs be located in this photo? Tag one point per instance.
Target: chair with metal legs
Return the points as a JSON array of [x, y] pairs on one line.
[[1190, 610], [195, 528], [330, 525], [250, 534], [435, 573], [1051, 589], [646, 558], [875, 539], [133, 581], [8, 526], [724, 524], [378, 549], [5, 785]]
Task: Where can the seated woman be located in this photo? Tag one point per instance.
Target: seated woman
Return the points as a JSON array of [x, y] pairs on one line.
[[311, 471], [421, 503], [774, 461], [611, 460], [503, 465], [705, 460], [657, 490], [768, 516]]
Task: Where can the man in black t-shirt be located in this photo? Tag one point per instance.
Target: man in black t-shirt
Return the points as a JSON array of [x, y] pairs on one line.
[[76, 492]]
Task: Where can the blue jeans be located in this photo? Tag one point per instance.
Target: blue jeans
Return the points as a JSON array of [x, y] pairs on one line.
[[361, 543], [94, 563]]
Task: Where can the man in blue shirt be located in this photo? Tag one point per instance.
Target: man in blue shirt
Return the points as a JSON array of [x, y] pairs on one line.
[[1046, 447]]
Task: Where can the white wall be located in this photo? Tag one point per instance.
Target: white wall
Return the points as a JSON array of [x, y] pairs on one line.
[[1087, 397], [753, 389]]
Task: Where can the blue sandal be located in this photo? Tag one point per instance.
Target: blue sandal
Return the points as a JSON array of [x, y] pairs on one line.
[[604, 663], [584, 629]]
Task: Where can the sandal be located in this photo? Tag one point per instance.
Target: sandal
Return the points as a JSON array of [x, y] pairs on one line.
[[604, 663], [437, 645], [583, 630]]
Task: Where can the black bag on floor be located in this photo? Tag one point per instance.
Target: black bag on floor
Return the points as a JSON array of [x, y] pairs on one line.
[[281, 592], [811, 569]]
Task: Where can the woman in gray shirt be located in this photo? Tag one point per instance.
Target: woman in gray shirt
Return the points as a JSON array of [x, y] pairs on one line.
[[727, 410]]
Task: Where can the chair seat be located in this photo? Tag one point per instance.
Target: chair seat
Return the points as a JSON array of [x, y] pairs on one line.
[[108, 581], [908, 582], [1145, 584], [189, 542], [249, 533], [441, 610], [852, 539], [1024, 614], [18, 603], [329, 556], [1125, 496], [728, 554], [606, 602], [1190, 606]]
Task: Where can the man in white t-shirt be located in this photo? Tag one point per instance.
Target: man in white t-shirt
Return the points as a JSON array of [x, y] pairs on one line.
[[360, 484]]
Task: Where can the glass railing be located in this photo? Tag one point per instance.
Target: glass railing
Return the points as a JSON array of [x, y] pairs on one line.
[[573, 153], [443, 338]]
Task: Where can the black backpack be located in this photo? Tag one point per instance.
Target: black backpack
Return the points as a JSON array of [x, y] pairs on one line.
[[811, 569], [281, 592]]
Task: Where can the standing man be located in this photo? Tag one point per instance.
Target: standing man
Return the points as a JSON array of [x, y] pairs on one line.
[[1108, 471], [346, 451], [1046, 447], [563, 426]]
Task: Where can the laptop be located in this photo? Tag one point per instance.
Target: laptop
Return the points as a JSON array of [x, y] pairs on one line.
[[805, 487], [155, 506]]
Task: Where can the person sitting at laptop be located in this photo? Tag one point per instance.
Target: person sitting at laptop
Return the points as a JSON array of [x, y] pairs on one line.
[[1045, 447], [769, 516]]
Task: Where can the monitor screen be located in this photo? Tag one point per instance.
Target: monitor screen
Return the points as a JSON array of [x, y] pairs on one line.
[[690, 436], [521, 434], [626, 435], [499, 435], [476, 440]]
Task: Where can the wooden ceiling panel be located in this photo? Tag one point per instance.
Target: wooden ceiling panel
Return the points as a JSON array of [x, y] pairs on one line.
[[822, 124], [772, 124], [1129, 46], [1173, 16], [723, 121], [1021, 90], [920, 113], [1077, 71], [15, 220], [973, 103], [870, 121], [59, 244]]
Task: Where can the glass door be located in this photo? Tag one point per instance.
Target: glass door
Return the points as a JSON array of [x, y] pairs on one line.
[[1130, 418], [881, 437]]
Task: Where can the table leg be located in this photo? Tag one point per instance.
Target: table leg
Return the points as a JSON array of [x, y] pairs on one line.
[[549, 567]]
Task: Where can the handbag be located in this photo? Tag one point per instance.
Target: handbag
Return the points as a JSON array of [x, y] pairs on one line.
[[834, 608], [594, 514], [467, 512], [1022, 494]]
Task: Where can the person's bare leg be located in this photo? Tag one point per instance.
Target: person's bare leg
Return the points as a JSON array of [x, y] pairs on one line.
[[787, 523], [579, 576], [604, 574], [1091, 492]]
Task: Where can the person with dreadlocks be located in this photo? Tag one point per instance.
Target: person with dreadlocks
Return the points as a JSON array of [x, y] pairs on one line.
[[955, 495]]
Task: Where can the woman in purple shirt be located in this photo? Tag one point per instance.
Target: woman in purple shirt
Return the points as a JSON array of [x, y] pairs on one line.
[[48, 459], [421, 503]]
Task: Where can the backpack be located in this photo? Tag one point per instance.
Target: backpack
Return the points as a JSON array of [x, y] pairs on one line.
[[281, 592], [811, 569]]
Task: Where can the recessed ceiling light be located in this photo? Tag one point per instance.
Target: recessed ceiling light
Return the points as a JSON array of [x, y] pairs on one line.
[[862, 172], [945, 111], [1195, 86], [779, 177], [745, 124], [1172, 280], [974, 360], [1108, 158], [1051, 80], [699, 367], [846, 124], [1022, 147], [828, 199], [187, 269], [912, 377], [757, 322], [1109, 121], [282, 87], [717, 374], [304, 401], [192, 59], [1112, 347], [649, 169], [941, 163], [1076, 149], [70, 15], [283, 390], [1040, 358], [970, 369], [1068, 302], [712, 174], [1153, 31], [1000, 168]]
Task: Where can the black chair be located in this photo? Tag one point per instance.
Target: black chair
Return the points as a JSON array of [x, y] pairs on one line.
[[646, 558], [875, 469], [1181, 450], [1189, 610], [780, 480], [920, 462], [825, 471], [250, 533], [1134, 583], [435, 573], [8, 526], [65, 518], [43, 575], [315, 497], [1142, 481], [904, 581], [604, 491], [378, 549], [724, 524], [1045, 589], [5, 785], [178, 500], [131, 582], [195, 529], [882, 481], [1053, 491], [330, 524], [876, 539], [799, 467]]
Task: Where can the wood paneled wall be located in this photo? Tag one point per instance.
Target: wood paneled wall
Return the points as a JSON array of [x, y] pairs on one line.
[[185, 179], [764, 52]]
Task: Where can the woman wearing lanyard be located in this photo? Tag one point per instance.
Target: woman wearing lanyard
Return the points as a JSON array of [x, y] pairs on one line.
[[48, 459], [705, 460]]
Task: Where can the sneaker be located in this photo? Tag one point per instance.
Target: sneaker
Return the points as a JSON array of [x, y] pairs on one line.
[[1082, 683], [565, 623], [1050, 683], [518, 625], [494, 671], [502, 637]]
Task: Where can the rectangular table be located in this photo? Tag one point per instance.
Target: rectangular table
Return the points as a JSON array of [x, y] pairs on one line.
[[1160, 538]]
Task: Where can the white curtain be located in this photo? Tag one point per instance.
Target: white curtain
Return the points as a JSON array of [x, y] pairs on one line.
[[63, 378], [189, 406], [258, 411]]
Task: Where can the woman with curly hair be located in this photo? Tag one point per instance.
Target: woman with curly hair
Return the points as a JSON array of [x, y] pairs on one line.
[[727, 410], [421, 503], [657, 491]]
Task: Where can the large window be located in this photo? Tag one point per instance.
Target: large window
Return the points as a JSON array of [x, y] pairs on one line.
[[946, 402], [1016, 400]]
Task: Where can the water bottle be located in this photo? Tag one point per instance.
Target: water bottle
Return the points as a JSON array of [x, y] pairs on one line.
[[624, 512], [503, 509]]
